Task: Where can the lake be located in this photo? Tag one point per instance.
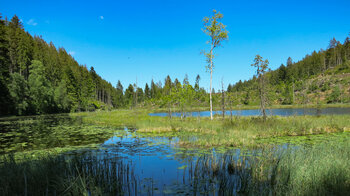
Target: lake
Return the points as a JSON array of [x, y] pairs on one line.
[[142, 165], [274, 112], [156, 164]]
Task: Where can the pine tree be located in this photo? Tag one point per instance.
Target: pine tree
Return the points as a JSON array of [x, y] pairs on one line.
[[129, 95], [119, 94], [24, 52], [289, 61], [15, 29], [147, 92], [196, 85], [153, 90]]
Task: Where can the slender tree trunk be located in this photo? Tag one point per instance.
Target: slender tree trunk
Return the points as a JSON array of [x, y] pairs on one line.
[[223, 99], [198, 115], [182, 113], [211, 78], [293, 94], [169, 110], [99, 95], [103, 95], [231, 108], [262, 97]]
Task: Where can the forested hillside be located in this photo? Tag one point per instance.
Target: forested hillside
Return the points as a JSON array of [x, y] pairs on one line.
[[36, 77], [322, 77]]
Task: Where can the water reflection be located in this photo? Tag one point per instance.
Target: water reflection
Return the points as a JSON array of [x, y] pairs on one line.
[[163, 168], [276, 112]]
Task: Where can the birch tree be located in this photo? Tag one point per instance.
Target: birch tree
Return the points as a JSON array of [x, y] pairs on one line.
[[217, 33]]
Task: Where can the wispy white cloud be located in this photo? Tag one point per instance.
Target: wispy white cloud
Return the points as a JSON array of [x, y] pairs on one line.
[[32, 22], [71, 53], [102, 17]]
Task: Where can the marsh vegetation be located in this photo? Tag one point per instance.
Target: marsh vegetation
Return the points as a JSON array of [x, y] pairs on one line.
[[95, 153]]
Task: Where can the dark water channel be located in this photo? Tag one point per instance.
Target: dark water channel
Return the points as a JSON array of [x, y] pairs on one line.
[[161, 167], [274, 112]]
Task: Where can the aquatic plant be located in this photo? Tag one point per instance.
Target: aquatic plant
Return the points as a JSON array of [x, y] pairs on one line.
[[84, 174]]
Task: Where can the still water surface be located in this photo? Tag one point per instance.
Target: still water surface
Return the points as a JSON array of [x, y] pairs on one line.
[[275, 112]]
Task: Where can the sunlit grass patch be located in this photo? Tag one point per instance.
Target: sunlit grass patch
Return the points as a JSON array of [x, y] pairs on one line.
[[241, 131]]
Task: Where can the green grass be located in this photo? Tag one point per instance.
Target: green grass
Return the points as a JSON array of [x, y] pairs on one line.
[[63, 175], [322, 169], [242, 131]]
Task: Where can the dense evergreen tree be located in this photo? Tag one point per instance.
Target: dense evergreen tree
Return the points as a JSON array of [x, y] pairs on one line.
[[153, 90], [147, 92], [129, 96], [289, 61], [139, 95], [196, 85], [119, 95]]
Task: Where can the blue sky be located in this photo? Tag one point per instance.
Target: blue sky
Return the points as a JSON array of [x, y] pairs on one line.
[[125, 40]]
